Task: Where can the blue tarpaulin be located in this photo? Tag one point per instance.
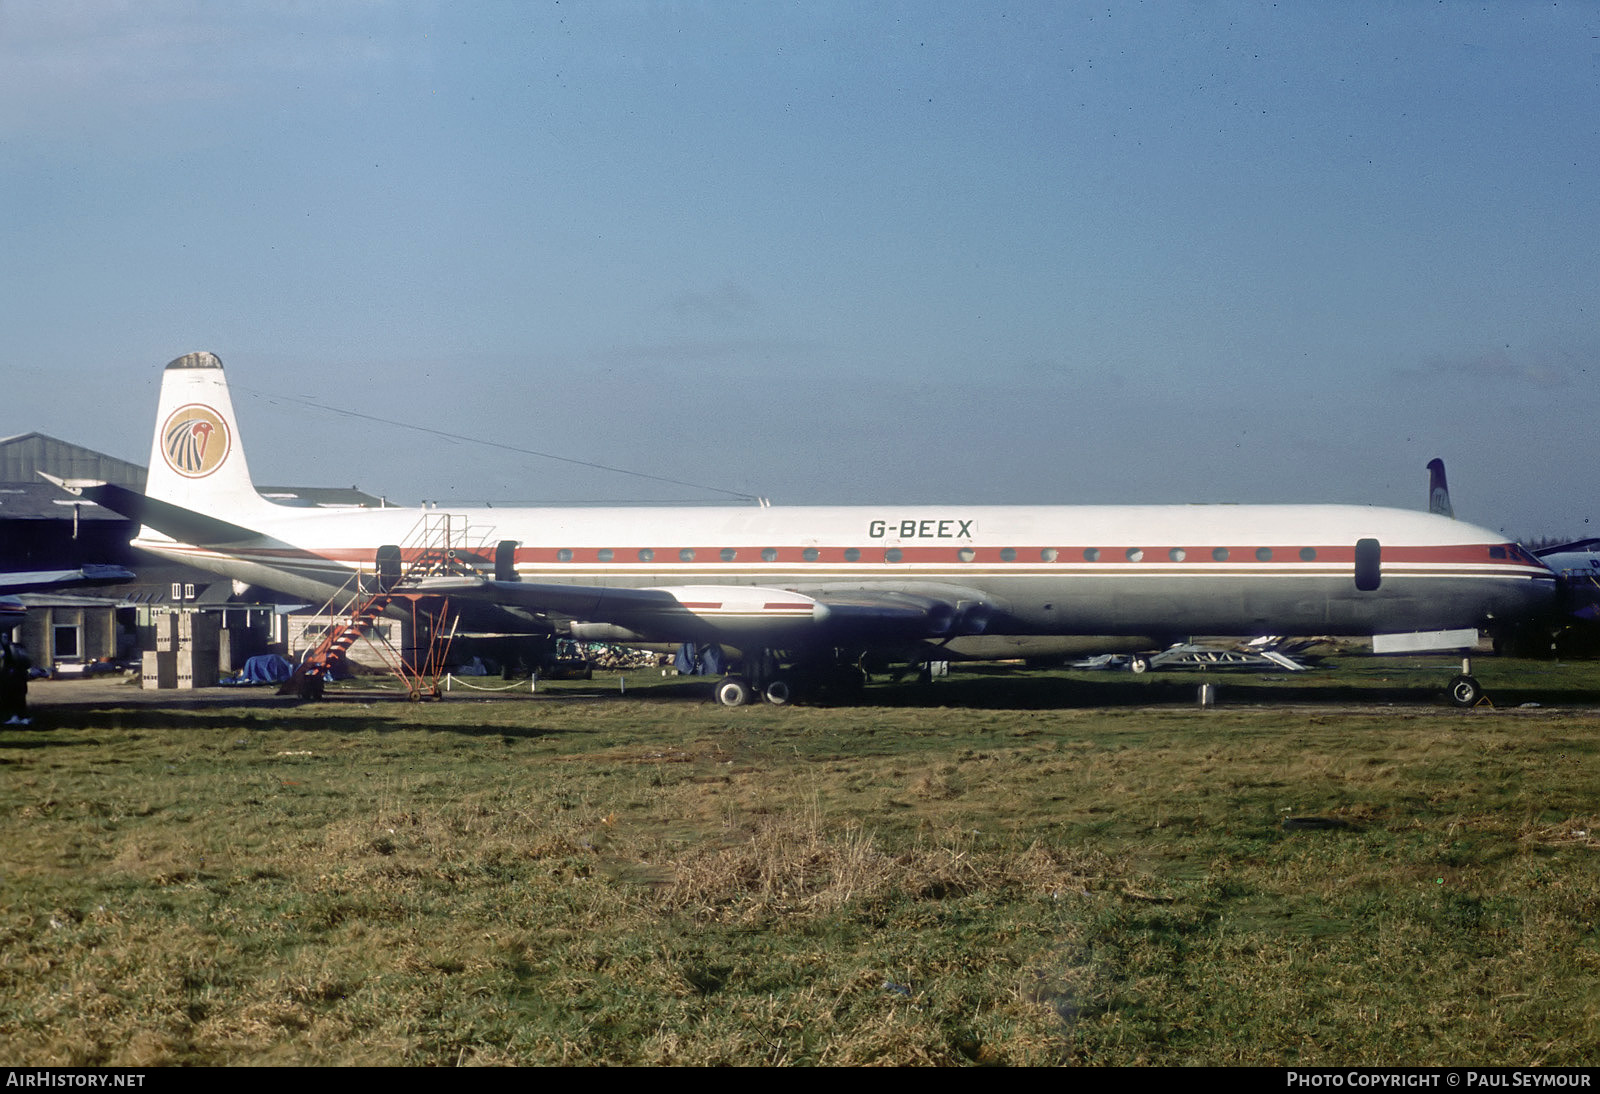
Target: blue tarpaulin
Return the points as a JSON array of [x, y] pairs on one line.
[[692, 660], [266, 668]]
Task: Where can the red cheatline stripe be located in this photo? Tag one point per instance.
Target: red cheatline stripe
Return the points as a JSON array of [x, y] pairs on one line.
[[986, 560], [708, 558]]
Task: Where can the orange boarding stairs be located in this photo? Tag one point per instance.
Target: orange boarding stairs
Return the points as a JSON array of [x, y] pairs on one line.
[[438, 546]]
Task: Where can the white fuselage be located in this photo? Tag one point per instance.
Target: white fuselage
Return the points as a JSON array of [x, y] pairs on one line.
[[1150, 569]]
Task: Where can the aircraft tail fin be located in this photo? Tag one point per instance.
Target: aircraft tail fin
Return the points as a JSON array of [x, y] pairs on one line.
[[196, 459], [1438, 490]]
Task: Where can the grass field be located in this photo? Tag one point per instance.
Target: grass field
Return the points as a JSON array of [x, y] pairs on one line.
[[1001, 868]]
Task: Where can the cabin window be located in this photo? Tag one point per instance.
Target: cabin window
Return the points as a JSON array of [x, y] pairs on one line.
[[564, 555], [769, 554], [1497, 552], [1048, 554], [1135, 554], [1308, 554], [810, 554], [1369, 564], [852, 554], [606, 554], [646, 554], [1177, 554], [966, 554], [728, 554], [1091, 554], [1008, 554], [893, 554], [1219, 554], [1263, 554], [686, 555]]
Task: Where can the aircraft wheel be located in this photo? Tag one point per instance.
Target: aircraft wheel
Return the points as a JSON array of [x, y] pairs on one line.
[[1465, 691], [778, 693], [1139, 664], [733, 691]]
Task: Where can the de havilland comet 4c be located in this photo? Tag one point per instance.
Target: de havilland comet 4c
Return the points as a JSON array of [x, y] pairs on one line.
[[799, 588]]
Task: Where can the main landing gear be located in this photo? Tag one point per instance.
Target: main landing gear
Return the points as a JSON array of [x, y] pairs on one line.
[[764, 678], [736, 691]]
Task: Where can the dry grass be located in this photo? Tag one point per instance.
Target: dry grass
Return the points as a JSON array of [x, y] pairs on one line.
[[520, 881]]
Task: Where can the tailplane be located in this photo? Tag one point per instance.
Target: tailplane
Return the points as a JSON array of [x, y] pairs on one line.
[[196, 459]]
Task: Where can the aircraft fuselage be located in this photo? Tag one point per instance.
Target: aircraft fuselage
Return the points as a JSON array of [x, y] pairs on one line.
[[1046, 569]]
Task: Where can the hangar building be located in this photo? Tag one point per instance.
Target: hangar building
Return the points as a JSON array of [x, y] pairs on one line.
[[42, 528]]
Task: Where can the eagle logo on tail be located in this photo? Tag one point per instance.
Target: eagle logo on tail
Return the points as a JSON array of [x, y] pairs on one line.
[[195, 441]]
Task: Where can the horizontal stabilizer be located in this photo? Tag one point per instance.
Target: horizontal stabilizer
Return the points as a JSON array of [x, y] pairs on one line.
[[183, 525]]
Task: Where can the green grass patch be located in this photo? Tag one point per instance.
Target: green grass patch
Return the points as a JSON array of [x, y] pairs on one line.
[[1033, 878]]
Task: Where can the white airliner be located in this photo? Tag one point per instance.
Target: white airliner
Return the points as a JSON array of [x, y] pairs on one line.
[[796, 586]]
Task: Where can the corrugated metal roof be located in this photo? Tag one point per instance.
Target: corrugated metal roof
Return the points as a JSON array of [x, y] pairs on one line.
[[23, 456]]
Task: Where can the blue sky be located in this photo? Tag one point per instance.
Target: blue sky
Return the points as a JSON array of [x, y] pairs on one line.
[[825, 252]]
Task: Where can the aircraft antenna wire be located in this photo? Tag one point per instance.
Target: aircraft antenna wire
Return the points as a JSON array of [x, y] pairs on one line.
[[592, 465]]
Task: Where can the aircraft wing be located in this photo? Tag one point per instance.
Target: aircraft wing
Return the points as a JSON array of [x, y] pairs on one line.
[[1576, 547], [736, 613]]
